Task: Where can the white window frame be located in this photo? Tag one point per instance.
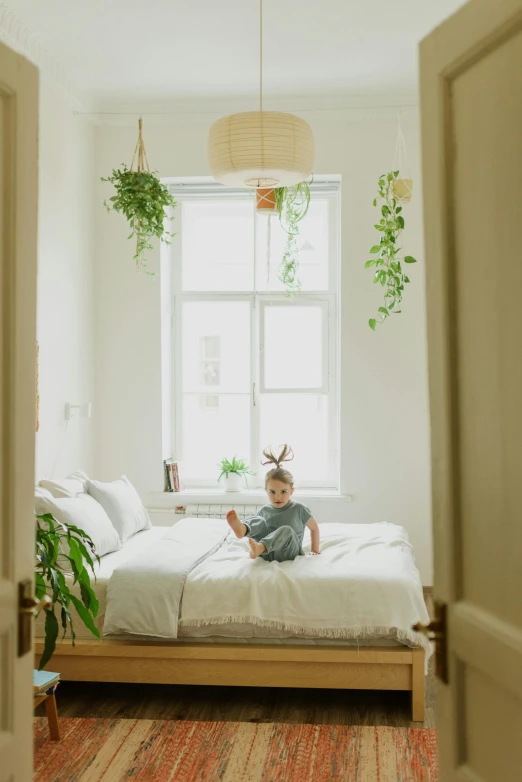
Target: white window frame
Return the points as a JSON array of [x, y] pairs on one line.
[[259, 301]]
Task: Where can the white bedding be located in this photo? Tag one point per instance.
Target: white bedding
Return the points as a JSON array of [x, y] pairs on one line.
[[363, 585], [365, 576]]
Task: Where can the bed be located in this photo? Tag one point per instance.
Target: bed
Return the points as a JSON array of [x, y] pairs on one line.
[[341, 620]]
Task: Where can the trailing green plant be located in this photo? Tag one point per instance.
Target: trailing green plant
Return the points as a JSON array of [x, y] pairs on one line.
[[142, 198], [234, 465], [292, 205], [64, 549], [389, 271]]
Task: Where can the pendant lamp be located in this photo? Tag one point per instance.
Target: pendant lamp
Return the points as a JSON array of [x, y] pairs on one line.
[[261, 149]]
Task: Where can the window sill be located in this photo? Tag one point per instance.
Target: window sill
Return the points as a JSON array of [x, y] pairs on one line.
[[163, 499]]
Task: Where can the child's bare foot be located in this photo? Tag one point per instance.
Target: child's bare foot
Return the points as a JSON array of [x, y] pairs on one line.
[[237, 525], [256, 549]]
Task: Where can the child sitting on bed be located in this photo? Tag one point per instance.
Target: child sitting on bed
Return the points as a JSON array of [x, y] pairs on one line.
[[277, 532]]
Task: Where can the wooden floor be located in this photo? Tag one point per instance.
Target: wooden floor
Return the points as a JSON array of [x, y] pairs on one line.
[[244, 704], [241, 704]]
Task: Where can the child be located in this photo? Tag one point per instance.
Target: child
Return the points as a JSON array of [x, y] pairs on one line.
[[277, 533]]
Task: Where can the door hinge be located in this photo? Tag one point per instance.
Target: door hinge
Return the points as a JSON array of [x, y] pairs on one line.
[[436, 631]]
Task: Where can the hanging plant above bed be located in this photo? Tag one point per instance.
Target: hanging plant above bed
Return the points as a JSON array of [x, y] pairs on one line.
[[388, 267], [142, 198], [291, 204]]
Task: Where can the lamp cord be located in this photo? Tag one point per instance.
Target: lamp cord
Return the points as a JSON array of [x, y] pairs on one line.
[[260, 55]]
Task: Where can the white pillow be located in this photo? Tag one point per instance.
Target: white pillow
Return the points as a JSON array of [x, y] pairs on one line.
[[71, 486], [41, 496], [122, 504], [89, 516]]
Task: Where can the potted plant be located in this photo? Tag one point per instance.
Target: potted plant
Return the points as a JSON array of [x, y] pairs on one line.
[[142, 198], [266, 201], [234, 471], [61, 549], [291, 204], [389, 271], [402, 190]]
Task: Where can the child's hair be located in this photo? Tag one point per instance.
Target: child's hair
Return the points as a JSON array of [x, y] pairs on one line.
[[279, 473]]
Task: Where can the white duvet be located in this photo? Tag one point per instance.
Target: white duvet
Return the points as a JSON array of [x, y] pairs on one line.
[[364, 584]]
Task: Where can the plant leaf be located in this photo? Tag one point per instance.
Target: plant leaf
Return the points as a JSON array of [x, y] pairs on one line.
[[375, 249], [372, 323], [51, 634], [85, 616], [410, 259]]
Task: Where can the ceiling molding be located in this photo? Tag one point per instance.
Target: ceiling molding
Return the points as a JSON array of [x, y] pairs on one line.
[[312, 108], [25, 41]]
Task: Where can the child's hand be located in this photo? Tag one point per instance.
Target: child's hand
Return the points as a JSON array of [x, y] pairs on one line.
[[313, 553]]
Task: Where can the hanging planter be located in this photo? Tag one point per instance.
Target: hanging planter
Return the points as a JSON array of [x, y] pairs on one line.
[[292, 205], [389, 271], [393, 192], [402, 190], [266, 201], [142, 198]]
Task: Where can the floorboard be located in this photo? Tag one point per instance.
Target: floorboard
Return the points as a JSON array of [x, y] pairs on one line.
[[241, 704]]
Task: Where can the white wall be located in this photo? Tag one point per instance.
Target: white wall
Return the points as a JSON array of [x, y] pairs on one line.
[[385, 429], [65, 282]]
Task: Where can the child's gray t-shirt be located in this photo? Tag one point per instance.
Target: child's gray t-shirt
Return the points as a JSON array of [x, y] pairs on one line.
[[293, 514]]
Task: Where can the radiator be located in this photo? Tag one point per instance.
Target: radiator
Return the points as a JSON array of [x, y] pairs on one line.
[[209, 511]]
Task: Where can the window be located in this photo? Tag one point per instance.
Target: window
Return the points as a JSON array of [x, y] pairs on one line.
[[252, 367]]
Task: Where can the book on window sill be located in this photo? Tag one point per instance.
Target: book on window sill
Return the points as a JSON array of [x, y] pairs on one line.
[[172, 482], [44, 680], [168, 487]]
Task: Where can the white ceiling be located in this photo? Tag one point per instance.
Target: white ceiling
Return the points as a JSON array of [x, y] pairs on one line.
[[159, 50]]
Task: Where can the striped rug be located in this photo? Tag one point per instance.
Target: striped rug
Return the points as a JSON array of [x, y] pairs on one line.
[[113, 750]]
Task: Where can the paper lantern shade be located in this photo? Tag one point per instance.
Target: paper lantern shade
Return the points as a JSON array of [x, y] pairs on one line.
[[261, 149]]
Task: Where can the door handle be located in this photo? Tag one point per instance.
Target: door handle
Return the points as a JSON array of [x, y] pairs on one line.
[[27, 606]]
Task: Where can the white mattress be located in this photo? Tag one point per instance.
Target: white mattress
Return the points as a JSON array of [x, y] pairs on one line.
[[240, 633]]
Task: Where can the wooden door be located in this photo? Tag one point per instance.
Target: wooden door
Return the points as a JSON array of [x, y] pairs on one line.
[[18, 235], [471, 101]]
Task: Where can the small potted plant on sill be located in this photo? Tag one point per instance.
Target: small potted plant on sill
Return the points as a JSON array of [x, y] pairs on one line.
[[234, 471]]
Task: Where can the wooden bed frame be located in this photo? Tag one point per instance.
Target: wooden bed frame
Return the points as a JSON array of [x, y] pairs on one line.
[[331, 667]]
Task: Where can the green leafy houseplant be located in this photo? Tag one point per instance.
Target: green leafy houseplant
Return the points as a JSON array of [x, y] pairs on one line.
[[142, 198], [62, 549], [292, 206], [389, 271], [234, 466]]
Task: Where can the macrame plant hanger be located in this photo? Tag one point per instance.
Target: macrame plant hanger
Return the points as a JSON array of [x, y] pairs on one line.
[[403, 186], [142, 164], [140, 152]]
